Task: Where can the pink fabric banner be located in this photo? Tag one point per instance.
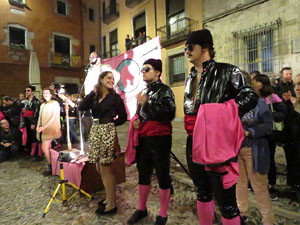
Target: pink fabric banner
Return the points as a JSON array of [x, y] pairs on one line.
[[72, 171], [127, 71]]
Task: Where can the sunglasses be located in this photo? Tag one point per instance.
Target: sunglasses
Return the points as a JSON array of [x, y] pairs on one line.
[[28, 90], [189, 47], [145, 69]]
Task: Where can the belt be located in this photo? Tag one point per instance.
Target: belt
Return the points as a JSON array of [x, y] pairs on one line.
[[102, 120]]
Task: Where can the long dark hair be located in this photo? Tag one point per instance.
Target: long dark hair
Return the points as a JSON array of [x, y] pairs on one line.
[[99, 85], [267, 89]]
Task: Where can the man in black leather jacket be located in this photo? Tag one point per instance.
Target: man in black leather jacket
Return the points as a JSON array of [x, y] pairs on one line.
[[211, 82], [31, 115], [155, 112]]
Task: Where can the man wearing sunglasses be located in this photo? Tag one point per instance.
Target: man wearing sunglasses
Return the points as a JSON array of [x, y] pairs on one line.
[[212, 82], [156, 110], [31, 115]]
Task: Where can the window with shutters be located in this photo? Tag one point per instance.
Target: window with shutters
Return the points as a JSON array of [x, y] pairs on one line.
[[113, 43], [176, 68]]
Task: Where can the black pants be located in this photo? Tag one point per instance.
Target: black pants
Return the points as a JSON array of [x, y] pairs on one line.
[[208, 185], [154, 153], [8, 152]]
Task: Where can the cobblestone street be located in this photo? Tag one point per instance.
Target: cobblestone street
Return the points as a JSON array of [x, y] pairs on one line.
[[25, 193]]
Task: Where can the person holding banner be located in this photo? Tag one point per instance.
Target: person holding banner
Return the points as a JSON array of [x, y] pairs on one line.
[[156, 110], [108, 111], [212, 82]]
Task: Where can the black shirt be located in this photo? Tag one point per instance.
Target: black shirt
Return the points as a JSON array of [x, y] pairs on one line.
[[110, 107]]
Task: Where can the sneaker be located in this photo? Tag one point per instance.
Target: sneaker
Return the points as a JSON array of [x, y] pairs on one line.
[[273, 193], [137, 216], [161, 220]]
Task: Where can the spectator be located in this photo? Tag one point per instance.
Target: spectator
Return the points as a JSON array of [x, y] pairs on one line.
[[279, 113], [254, 155], [12, 110], [73, 116], [30, 114], [128, 42], [10, 141], [293, 134], [253, 74], [285, 90]]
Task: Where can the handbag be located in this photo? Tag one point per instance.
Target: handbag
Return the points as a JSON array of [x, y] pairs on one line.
[[278, 126]]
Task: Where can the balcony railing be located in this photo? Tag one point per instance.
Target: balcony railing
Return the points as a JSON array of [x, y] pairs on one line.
[[132, 3], [111, 13], [67, 61], [136, 42], [177, 31]]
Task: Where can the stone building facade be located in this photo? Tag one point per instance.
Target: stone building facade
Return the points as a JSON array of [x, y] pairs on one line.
[[259, 35]]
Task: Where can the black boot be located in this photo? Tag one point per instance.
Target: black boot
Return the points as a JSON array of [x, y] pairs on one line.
[[137, 216], [161, 220], [48, 172]]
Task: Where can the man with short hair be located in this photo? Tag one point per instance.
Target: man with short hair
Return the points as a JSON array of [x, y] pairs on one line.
[[156, 110], [285, 88], [10, 141], [93, 72], [31, 115], [208, 83], [11, 110]]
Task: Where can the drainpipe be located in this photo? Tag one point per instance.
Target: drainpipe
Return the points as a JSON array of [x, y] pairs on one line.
[[155, 18]]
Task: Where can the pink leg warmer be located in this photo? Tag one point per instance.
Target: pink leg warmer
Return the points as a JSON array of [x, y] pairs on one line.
[[143, 196], [206, 212], [233, 221], [33, 148], [164, 196], [40, 149]]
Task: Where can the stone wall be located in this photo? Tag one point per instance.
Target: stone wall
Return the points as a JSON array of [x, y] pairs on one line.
[[242, 15]]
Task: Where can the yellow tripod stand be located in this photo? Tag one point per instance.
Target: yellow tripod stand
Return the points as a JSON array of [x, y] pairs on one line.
[[62, 184]]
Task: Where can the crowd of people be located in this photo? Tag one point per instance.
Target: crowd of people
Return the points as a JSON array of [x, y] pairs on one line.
[[233, 120], [28, 122]]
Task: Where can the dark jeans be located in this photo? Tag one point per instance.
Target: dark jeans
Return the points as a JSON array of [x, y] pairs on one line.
[[278, 137], [207, 185], [7, 153], [154, 153]]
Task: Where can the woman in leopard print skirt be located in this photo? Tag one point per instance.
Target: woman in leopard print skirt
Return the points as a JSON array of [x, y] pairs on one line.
[[108, 111]]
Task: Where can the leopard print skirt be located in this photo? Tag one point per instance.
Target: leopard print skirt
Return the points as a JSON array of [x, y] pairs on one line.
[[104, 145]]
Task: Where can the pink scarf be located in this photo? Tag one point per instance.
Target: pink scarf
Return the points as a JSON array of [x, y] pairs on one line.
[[217, 138], [132, 142]]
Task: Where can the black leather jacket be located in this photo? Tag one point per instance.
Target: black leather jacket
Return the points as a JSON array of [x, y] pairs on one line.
[[34, 106], [160, 105], [219, 83]]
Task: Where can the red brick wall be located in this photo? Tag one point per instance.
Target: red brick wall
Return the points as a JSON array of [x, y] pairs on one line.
[[14, 78]]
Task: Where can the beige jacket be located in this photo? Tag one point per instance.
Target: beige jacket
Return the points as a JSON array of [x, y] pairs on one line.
[[49, 116]]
